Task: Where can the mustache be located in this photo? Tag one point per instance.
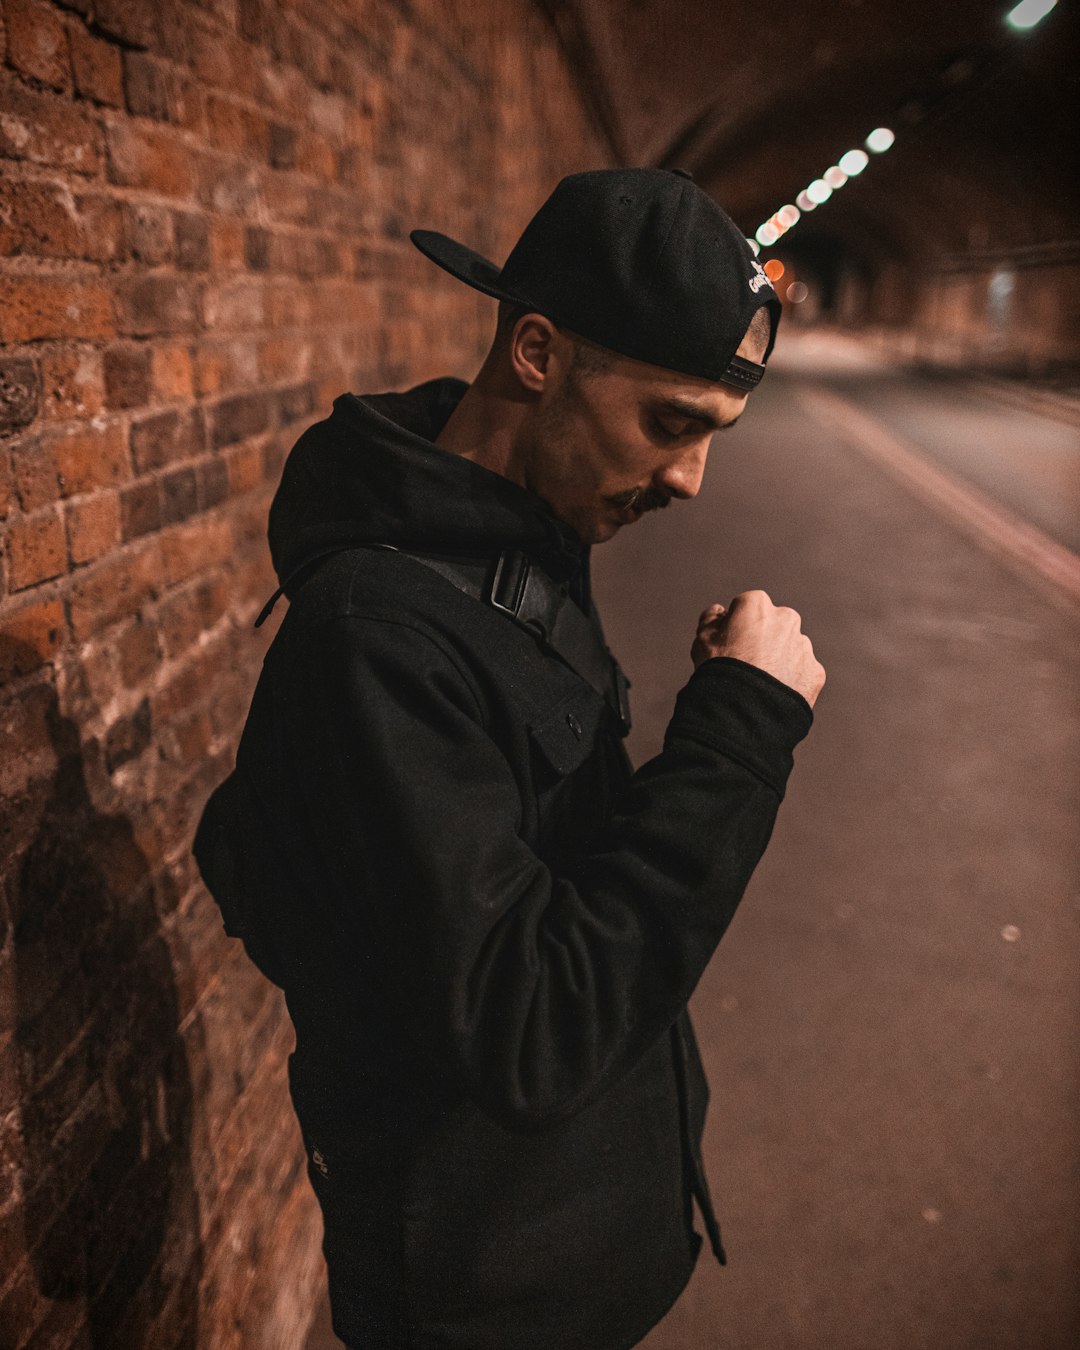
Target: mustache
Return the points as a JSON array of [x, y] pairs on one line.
[[642, 499]]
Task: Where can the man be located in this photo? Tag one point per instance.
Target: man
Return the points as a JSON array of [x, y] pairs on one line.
[[486, 925]]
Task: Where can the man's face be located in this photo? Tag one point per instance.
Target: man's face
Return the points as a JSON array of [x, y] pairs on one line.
[[606, 447]]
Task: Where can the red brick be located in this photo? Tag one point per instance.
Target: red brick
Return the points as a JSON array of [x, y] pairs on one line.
[[43, 220], [114, 588], [93, 526], [20, 393], [191, 241], [96, 66], [26, 768], [90, 457], [150, 157], [171, 373], [257, 248], [34, 471], [195, 546], [234, 419], [185, 689], [227, 185], [128, 737], [73, 382], [212, 369], [281, 146], [149, 86], [140, 509], [148, 305], [134, 22], [295, 402], [227, 244], [245, 469], [179, 622], [127, 376], [46, 128], [37, 548], [213, 483], [147, 233], [179, 496], [232, 127], [234, 305], [226, 63], [37, 42], [38, 219], [29, 637], [188, 740], [313, 152], [39, 307], [138, 649], [101, 226], [166, 437]]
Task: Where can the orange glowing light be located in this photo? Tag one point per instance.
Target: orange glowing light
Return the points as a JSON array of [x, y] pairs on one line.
[[774, 269]]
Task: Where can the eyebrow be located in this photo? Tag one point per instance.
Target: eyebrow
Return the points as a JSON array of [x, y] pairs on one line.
[[684, 408]]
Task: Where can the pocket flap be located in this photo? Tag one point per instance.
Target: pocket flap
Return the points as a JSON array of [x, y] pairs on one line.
[[566, 734]]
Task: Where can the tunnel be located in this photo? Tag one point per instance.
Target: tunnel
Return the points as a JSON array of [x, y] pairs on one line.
[[205, 219]]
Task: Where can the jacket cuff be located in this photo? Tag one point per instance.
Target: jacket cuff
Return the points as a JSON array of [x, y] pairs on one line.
[[744, 713]]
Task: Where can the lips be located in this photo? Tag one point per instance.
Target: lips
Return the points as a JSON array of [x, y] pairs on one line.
[[629, 514]]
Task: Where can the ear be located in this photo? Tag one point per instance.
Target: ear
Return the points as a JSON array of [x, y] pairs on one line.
[[532, 346]]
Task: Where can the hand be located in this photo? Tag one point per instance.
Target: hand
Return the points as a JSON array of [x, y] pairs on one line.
[[764, 635]]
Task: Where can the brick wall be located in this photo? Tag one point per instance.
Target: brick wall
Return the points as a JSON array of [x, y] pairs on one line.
[[204, 207]]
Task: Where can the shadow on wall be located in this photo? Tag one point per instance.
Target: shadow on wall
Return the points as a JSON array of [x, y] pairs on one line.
[[111, 1213]]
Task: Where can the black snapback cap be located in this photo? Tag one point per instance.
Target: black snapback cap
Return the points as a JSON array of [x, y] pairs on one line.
[[641, 261]]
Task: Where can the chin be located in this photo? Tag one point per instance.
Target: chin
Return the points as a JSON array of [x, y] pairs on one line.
[[602, 531]]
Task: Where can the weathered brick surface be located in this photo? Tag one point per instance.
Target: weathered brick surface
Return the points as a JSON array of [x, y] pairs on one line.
[[204, 208], [20, 393], [97, 67]]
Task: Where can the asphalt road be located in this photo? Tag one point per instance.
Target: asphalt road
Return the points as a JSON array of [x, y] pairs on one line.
[[891, 1026]]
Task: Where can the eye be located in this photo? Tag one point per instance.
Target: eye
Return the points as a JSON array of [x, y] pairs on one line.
[[665, 431]]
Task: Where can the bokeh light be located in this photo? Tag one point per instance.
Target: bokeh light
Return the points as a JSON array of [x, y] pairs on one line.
[[1028, 13], [854, 162], [879, 140]]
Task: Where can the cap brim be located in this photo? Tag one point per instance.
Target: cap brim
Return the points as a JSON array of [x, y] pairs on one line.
[[462, 262]]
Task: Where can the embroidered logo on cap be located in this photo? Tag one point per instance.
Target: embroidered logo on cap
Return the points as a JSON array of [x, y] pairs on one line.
[[759, 278]]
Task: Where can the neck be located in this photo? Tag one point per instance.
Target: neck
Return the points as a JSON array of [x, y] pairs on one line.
[[484, 428]]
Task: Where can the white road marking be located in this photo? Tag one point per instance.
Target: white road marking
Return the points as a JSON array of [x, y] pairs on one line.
[[989, 523]]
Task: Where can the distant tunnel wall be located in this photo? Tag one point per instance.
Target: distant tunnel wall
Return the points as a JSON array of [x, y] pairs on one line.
[[1017, 314], [204, 210]]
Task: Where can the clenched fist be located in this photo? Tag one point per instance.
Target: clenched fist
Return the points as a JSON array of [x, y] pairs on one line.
[[769, 636]]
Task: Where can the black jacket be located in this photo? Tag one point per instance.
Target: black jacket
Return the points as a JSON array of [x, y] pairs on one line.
[[486, 926]]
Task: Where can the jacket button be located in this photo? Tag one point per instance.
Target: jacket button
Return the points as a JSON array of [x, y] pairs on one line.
[[574, 725]]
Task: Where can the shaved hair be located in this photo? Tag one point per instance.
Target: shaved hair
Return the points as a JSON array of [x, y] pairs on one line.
[[760, 329]]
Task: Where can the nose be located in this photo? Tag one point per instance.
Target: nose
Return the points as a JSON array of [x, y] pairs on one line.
[[681, 476]]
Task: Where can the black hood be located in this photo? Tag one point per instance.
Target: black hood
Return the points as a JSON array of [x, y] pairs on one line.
[[371, 473]]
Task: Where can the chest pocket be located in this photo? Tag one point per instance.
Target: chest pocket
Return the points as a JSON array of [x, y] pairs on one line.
[[571, 773]]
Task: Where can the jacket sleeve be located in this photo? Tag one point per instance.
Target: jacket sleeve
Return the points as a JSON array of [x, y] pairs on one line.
[[535, 990]]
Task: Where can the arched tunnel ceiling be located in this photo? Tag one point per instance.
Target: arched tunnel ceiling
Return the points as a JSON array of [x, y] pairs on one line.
[[760, 100]]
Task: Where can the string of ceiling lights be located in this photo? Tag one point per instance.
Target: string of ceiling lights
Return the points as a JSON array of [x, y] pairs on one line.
[[1024, 16]]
